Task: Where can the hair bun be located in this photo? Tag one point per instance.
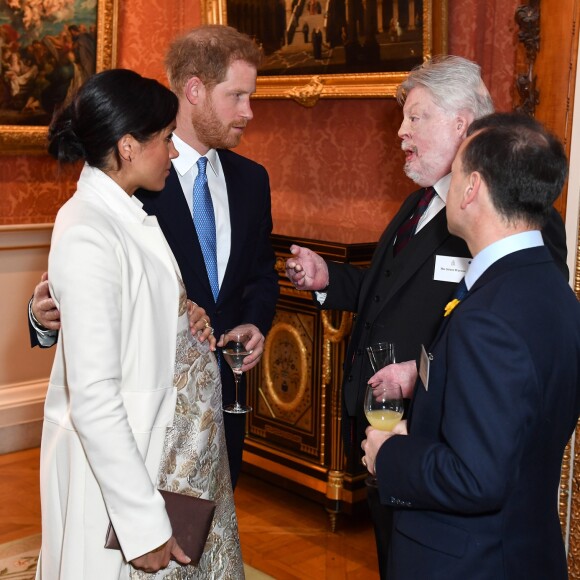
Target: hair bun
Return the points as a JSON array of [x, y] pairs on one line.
[[63, 142]]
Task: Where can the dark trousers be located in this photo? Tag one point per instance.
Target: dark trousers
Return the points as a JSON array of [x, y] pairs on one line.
[[382, 518], [235, 428]]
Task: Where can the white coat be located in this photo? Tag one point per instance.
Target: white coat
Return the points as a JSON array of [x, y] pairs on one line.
[[111, 395]]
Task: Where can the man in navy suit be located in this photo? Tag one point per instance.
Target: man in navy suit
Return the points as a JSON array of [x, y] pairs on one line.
[[213, 71], [474, 475]]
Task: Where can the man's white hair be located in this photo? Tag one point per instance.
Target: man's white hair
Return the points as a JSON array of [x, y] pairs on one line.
[[454, 82]]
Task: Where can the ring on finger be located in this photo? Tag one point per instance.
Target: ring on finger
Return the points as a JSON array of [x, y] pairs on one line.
[[206, 322], [211, 330]]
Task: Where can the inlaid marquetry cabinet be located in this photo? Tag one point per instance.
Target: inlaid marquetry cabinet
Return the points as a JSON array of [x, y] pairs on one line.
[[294, 431]]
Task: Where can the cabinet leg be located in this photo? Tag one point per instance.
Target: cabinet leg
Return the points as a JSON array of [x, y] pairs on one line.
[[333, 512]]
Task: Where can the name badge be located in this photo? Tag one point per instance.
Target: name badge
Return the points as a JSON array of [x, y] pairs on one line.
[[450, 269], [424, 362]]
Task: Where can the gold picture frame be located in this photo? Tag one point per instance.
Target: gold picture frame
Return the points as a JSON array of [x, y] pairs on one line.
[[307, 89], [31, 139]]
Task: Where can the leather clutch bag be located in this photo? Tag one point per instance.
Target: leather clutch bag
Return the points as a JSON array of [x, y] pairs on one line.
[[190, 518]]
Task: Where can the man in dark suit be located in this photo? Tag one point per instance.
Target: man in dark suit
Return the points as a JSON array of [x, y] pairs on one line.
[[475, 482], [213, 71], [414, 270]]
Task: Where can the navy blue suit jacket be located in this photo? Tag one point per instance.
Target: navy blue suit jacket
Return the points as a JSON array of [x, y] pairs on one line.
[[397, 299], [476, 481], [249, 290]]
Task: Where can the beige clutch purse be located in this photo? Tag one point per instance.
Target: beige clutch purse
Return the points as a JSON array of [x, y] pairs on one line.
[[190, 518]]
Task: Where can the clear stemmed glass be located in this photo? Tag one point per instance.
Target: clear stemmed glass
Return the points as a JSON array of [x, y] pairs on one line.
[[235, 351], [383, 409], [384, 406], [381, 355]]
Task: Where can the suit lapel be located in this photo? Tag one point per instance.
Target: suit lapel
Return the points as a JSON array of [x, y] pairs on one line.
[[419, 250], [174, 216], [237, 204], [384, 247], [504, 265]]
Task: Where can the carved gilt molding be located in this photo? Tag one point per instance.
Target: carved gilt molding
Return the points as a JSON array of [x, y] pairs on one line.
[[528, 20]]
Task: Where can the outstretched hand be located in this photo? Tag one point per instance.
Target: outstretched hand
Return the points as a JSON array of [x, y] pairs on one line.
[[306, 269]]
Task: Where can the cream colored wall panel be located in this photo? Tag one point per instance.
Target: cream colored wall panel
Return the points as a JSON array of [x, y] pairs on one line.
[[23, 371]]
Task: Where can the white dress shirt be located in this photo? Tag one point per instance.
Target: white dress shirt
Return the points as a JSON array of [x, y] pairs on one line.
[[186, 167], [437, 203]]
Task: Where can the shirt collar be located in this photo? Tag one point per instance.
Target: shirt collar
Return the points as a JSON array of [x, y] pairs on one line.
[[188, 157], [442, 187], [494, 252]]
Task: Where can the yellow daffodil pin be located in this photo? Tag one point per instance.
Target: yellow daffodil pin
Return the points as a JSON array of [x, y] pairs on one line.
[[449, 307]]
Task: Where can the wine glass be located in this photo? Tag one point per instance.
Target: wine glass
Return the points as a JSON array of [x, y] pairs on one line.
[[381, 355], [235, 351], [383, 407]]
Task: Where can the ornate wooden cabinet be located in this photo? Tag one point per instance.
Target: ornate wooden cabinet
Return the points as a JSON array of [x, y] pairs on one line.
[[294, 431]]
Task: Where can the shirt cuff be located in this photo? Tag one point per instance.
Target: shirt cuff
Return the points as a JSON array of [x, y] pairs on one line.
[[321, 297]]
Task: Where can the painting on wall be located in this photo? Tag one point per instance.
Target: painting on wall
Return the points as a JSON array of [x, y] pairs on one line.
[[48, 48], [336, 48]]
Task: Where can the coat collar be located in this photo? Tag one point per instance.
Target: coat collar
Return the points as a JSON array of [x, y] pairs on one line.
[[97, 187]]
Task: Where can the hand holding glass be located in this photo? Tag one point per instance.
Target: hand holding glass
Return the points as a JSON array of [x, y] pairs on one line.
[[234, 352]]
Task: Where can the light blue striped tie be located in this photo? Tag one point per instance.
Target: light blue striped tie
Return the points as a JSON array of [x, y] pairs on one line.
[[204, 221]]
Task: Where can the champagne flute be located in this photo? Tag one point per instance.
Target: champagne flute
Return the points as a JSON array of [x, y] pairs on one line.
[[235, 351], [381, 355]]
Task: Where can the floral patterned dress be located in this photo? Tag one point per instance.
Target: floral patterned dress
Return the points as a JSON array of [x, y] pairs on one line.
[[194, 460]]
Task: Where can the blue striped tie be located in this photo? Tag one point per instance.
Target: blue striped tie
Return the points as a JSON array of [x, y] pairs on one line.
[[204, 221]]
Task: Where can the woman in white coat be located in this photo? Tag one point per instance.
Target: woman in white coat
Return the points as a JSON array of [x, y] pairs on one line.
[[111, 400]]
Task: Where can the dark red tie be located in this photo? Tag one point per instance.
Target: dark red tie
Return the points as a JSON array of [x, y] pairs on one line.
[[407, 229]]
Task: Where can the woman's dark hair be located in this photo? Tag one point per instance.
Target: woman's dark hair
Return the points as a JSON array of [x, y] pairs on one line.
[[109, 105]]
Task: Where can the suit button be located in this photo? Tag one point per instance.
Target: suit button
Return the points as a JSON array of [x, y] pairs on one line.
[[359, 352], [367, 325], [218, 312], [377, 298], [349, 378], [387, 273]]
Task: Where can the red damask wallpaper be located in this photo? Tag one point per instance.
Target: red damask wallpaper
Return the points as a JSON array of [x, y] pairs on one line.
[[338, 163]]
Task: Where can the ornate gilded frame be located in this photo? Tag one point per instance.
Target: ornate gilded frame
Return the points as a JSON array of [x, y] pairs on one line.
[[307, 89], [17, 139]]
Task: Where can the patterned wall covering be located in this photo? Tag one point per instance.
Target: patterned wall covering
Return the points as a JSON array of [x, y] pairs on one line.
[[338, 162]]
